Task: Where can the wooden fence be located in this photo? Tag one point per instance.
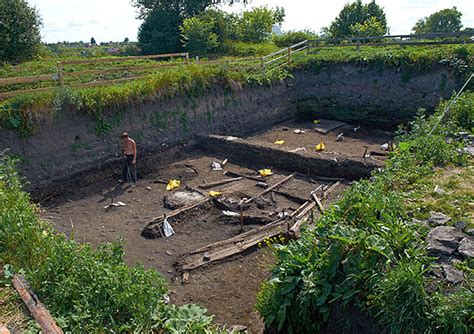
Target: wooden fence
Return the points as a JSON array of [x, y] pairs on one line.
[[59, 77], [267, 63], [285, 56]]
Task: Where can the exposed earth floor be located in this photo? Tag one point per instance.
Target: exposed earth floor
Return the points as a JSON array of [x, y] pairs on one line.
[[226, 288]]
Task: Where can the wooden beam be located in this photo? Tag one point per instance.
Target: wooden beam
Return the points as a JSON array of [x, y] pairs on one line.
[[234, 174], [28, 79], [331, 189], [37, 309], [219, 183], [109, 60], [279, 183], [318, 202]]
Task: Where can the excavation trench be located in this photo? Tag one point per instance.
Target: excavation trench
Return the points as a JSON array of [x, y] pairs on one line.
[[217, 257]]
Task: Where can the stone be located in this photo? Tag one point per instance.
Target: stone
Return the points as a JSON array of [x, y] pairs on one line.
[[460, 225], [443, 240], [238, 328], [180, 199], [206, 257], [470, 232], [451, 274], [438, 218], [466, 247]]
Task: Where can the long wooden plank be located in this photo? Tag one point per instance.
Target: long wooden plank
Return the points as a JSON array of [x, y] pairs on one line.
[[26, 91], [179, 211], [28, 79], [120, 69], [239, 238], [219, 183], [37, 309], [279, 183], [234, 249], [234, 174], [110, 60], [318, 202]]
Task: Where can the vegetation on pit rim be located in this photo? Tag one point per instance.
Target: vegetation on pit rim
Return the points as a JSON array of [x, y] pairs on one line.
[[85, 289], [22, 112], [367, 252]]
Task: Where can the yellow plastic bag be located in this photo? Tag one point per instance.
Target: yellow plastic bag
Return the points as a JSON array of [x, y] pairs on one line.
[[265, 172], [173, 184], [316, 121], [280, 142], [320, 146], [215, 193]]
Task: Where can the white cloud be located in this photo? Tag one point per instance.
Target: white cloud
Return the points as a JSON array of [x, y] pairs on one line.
[[107, 20]]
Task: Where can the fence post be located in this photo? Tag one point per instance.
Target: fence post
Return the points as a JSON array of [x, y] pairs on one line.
[[262, 64], [60, 73], [289, 55], [307, 47], [357, 45], [187, 58]]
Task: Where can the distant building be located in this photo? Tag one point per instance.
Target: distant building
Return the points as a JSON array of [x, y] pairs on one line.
[[113, 50]]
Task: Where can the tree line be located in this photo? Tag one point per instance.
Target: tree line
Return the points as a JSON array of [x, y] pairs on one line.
[[200, 27]]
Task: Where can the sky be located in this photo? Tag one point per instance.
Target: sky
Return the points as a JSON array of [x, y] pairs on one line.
[[113, 20]]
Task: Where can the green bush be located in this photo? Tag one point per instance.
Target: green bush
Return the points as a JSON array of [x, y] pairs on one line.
[[292, 37], [365, 252]]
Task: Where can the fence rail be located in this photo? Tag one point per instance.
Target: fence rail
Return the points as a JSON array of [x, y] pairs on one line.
[[287, 55], [61, 74]]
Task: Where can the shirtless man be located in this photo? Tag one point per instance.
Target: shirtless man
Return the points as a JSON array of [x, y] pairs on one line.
[[129, 150]]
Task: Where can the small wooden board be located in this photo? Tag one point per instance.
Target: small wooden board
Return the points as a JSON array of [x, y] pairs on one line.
[[325, 126]]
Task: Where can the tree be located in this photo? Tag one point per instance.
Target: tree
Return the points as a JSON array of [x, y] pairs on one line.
[[159, 33], [160, 30], [256, 25], [354, 13], [197, 35], [20, 25], [371, 27], [445, 20], [93, 42], [126, 40]]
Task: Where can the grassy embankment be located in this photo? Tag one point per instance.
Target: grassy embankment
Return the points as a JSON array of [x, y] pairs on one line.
[[21, 113], [368, 250]]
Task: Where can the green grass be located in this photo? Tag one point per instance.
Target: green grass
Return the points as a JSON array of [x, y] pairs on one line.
[[367, 251], [87, 290]]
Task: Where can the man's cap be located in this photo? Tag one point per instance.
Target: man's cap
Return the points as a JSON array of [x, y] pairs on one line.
[[124, 135]]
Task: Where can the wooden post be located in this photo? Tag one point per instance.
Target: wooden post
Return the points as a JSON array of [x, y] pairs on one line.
[[187, 58], [60, 73], [37, 309], [289, 55], [241, 217], [262, 63]]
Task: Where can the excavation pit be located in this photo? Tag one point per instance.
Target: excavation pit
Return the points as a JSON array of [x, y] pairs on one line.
[[225, 263]]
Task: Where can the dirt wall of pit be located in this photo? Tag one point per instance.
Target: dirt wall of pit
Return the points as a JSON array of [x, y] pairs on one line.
[[66, 151]]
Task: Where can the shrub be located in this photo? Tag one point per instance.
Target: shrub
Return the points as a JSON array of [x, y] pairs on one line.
[[292, 37], [19, 31]]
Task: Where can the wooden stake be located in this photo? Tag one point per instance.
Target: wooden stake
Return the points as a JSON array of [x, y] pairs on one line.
[[37, 309]]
